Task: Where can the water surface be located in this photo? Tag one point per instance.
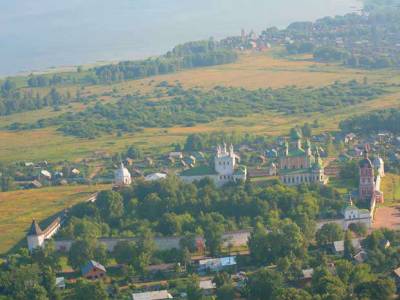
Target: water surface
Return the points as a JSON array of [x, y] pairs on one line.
[[39, 34]]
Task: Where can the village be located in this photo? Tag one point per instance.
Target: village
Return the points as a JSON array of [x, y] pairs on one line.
[[293, 160]]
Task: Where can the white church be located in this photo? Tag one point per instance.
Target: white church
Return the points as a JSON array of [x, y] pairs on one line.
[[122, 177], [225, 169]]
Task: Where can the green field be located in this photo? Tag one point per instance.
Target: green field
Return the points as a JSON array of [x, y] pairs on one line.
[[19, 208], [253, 70]]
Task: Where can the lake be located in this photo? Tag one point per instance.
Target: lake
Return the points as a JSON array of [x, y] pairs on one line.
[[40, 34]]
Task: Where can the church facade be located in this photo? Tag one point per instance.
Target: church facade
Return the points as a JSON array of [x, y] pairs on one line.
[[225, 168], [299, 164], [370, 179]]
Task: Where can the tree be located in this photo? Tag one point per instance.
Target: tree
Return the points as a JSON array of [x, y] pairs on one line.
[[134, 153], [125, 252], [264, 284], [257, 244], [145, 248], [382, 288], [293, 294], [111, 205], [188, 241], [221, 278], [194, 142], [328, 234], [86, 290], [193, 290], [226, 292], [84, 250], [49, 283], [213, 236], [349, 250]]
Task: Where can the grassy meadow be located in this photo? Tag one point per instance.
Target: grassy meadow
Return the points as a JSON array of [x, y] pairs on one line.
[[18, 208], [391, 189]]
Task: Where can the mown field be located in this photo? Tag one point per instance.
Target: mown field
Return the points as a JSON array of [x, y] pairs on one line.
[[253, 70], [391, 189], [18, 208]]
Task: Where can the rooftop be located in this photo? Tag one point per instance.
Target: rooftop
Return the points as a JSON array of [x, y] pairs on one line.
[[156, 295], [90, 265], [199, 171], [35, 229]]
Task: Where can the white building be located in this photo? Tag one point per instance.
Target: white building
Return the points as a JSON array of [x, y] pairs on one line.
[[155, 295], [354, 215], [155, 176], [122, 176], [379, 166], [225, 168], [37, 237]]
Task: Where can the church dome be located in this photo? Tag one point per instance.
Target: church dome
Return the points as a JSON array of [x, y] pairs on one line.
[[122, 176]]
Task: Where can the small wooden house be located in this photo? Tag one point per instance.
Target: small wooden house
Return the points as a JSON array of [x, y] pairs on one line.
[[93, 270]]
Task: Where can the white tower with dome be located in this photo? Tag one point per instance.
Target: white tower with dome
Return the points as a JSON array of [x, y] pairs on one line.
[[122, 176]]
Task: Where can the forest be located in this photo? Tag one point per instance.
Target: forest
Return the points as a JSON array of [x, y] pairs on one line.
[[185, 56]]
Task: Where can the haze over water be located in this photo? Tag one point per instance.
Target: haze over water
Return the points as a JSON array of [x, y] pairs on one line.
[[36, 35]]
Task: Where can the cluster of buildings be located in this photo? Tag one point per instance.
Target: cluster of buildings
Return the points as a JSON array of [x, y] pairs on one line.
[[369, 191], [299, 163]]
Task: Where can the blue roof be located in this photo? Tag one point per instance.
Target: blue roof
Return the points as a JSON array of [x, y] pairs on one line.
[[90, 265]]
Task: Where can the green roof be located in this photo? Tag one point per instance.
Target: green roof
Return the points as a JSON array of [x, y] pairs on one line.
[[241, 170], [199, 171], [294, 171], [296, 152], [295, 134]]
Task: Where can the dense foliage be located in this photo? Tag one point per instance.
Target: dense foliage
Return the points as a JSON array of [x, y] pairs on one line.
[[189, 107], [171, 207], [368, 40], [377, 121], [185, 56]]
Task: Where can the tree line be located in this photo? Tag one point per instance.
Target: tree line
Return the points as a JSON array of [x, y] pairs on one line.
[[376, 121], [189, 107]]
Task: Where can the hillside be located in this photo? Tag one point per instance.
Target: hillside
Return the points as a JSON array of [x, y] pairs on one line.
[[253, 70], [20, 207]]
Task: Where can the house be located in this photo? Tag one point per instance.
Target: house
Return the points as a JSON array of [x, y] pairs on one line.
[[360, 256], [307, 273], [34, 185], [339, 246], [155, 295], [155, 176], [93, 270], [216, 264], [207, 286], [149, 161], [60, 282], [45, 174], [397, 275], [75, 172], [350, 137], [175, 155]]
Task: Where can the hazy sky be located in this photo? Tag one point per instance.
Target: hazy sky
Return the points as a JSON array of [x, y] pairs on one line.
[[39, 34]]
